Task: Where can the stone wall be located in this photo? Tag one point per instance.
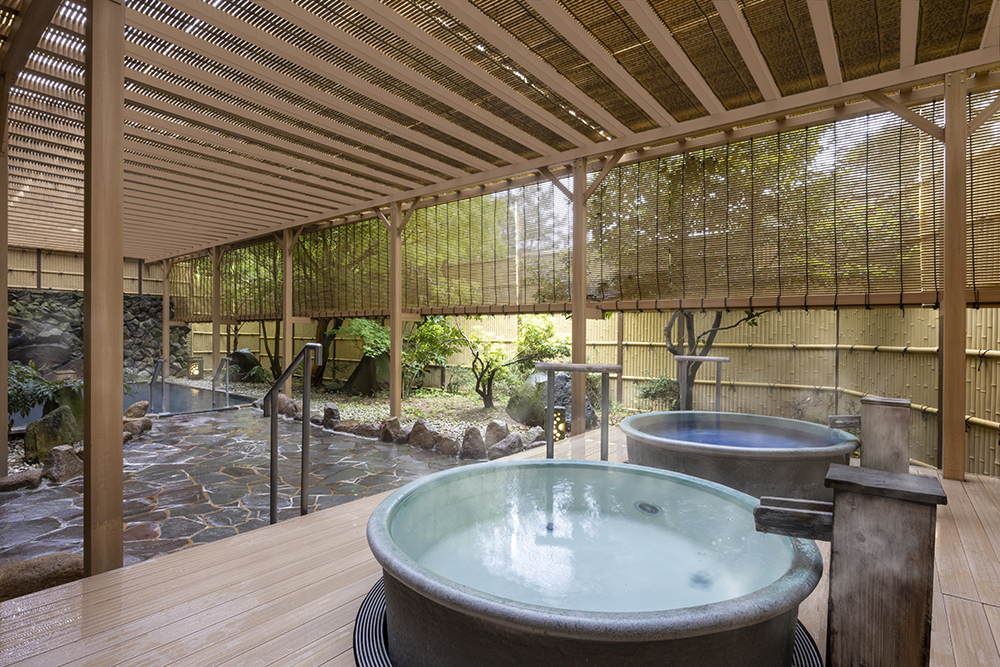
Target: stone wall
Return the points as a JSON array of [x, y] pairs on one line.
[[47, 327]]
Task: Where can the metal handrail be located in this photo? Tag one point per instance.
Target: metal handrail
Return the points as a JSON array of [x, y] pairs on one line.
[[158, 370], [682, 366], [551, 369], [223, 363], [304, 357]]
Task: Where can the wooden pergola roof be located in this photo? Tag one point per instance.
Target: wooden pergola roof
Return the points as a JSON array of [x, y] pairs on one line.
[[244, 118]]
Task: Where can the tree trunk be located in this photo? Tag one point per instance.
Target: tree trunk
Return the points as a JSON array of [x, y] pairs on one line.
[[319, 369]]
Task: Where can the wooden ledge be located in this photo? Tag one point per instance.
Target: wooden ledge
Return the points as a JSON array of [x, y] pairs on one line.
[[903, 486]]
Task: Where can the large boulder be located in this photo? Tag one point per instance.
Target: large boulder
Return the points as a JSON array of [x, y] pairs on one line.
[[35, 574], [534, 437], [54, 429], [390, 430], [71, 397], [367, 430], [473, 445], [26, 479], [369, 376], [48, 355], [62, 464], [346, 425], [528, 404], [331, 411], [449, 444], [496, 431], [423, 435], [244, 361], [137, 410], [510, 445], [293, 410]]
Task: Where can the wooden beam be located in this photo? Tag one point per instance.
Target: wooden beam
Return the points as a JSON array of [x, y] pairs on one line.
[[567, 25], [819, 12], [984, 115], [953, 306], [654, 28], [555, 181], [476, 20], [102, 291], [25, 33], [396, 310], [909, 21], [609, 164], [991, 35], [736, 24], [5, 85], [166, 322], [579, 296], [216, 255], [910, 116]]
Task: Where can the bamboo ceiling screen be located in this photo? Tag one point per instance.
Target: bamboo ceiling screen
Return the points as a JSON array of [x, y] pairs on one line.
[[341, 270], [191, 289], [252, 282], [508, 249], [850, 208]]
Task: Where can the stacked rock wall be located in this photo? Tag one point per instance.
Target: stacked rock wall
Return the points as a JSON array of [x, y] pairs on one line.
[[46, 327]]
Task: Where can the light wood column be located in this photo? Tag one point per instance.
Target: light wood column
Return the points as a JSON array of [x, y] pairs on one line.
[[287, 327], [579, 295], [104, 129], [216, 307], [165, 352], [8, 81], [953, 304], [396, 310]]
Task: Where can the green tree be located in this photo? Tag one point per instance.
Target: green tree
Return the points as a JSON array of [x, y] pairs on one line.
[[430, 343], [536, 341]]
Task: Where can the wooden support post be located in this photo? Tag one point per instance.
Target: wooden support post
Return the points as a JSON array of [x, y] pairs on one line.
[[104, 131], [216, 256], [953, 304], [287, 326], [8, 81], [165, 332], [578, 385], [885, 433], [881, 567], [396, 310]]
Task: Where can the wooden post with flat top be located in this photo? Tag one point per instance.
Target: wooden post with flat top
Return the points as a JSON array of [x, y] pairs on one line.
[[885, 433]]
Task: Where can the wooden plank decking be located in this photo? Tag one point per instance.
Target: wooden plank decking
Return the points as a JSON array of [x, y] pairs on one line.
[[288, 594]]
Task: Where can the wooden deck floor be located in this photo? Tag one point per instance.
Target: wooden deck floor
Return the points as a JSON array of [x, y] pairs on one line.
[[288, 594]]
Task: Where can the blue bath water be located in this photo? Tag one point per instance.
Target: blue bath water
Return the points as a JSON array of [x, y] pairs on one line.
[[724, 431]]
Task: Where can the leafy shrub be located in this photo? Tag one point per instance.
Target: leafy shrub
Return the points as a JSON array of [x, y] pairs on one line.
[[662, 389], [26, 389], [259, 375], [374, 337]]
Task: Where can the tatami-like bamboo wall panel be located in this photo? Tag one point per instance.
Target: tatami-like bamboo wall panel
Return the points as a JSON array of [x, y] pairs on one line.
[[45, 269]]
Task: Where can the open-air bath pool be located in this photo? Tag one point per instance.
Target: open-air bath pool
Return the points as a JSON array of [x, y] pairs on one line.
[[756, 454], [571, 562]]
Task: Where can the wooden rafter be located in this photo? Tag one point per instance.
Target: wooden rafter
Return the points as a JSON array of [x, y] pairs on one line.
[[910, 116], [25, 33], [736, 24]]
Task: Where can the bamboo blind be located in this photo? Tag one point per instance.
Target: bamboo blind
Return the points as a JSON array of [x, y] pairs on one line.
[[191, 289], [252, 281], [341, 270]]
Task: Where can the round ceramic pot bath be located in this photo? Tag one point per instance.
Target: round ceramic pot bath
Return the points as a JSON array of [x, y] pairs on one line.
[[759, 455], [526, 563]]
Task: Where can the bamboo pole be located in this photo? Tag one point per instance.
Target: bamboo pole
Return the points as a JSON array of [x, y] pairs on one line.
[[104, 125], [579, 296], [396, 310], [953, 306]]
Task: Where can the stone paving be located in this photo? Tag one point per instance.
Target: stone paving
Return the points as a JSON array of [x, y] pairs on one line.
[[200, 478]]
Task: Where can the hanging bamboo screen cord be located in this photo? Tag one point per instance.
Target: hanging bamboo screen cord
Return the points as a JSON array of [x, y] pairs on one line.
[[899, 194], [753, 253], [725, 302], [805, 185], [635, 217], [972, 211], [683, 231], [618, 228], [778, 231], [868, 263], [656, 219], [704, 230], [836, 248], [934, 220]]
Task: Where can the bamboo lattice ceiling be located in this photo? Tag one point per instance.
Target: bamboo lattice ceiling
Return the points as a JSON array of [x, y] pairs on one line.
[[243, 118]]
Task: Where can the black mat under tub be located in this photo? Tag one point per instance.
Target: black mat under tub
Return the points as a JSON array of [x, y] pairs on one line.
[[370, 641]]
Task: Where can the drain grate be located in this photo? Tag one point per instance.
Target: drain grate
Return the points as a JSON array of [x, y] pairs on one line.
[[370, 649], [647, 508]]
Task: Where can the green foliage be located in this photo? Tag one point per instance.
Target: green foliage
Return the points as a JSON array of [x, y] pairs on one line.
[[258, 374], [374, 337], [661, 389], [430, 343], [26, 389], [537, 341]]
